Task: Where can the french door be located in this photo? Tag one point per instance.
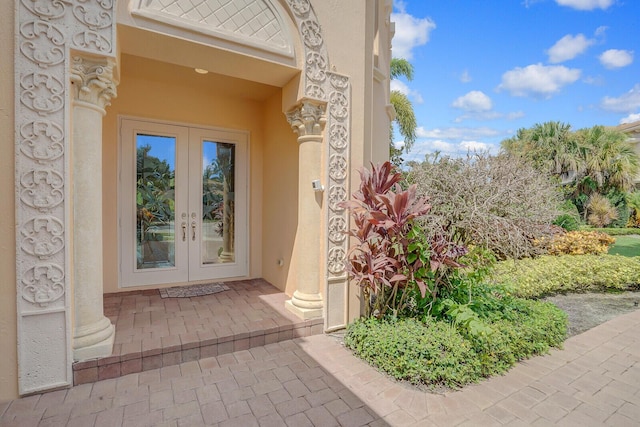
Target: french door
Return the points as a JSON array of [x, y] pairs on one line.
[[183, 203]]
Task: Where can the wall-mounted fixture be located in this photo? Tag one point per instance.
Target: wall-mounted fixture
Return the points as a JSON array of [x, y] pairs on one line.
[[201, 71], [317, 186]]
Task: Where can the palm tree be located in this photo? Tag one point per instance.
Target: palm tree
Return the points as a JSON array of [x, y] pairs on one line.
[[610, 161], [633, 203], [549, 147], [405, 116]]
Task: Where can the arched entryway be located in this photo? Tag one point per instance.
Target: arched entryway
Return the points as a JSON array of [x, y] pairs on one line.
[[62, 187]]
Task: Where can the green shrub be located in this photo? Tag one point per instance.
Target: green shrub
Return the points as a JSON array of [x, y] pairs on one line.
[[435, 353], [616, 231], [547, 275], [567, 221], [533, 328], [579, 243], [601, 211], [618, 200]]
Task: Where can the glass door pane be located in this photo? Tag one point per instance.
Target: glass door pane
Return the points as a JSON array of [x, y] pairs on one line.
[[218, 203], [155, 201]]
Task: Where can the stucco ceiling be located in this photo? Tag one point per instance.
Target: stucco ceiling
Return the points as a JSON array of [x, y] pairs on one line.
[[148, 69]]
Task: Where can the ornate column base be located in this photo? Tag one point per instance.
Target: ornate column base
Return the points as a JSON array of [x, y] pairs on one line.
[[226, 257], [93, 341], [305, 306]]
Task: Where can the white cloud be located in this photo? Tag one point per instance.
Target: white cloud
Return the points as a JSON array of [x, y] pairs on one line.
[[457, 148], [529, 3], [474, 146], [442, 146], [399, 144], [600, 31], [568, 48], [594, 80], [402, 87], [465, 77], [616, 58], [474, 101], [461, 133], [630, 118], [410, 32], [586, 4], [625, 103], [538, 79], [489, 115], [515, 115]]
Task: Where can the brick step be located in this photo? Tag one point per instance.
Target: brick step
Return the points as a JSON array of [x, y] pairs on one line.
[[154, 332]]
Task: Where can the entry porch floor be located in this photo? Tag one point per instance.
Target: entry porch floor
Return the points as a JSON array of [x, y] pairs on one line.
[[154, 332]]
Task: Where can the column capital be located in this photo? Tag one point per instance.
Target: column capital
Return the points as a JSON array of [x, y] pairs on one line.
[[308, 118], [93, 80]]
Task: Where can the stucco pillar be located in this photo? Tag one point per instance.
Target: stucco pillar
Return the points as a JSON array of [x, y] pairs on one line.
[[93, 87], [308, 122]]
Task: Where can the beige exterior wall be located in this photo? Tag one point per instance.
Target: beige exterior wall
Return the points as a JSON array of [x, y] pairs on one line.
[[164, 92], [280, 191], [8, 334]]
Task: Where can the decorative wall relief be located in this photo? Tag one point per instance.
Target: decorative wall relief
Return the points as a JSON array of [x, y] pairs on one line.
[[42, 92], [42, 189], [42, 53], [43, 283], [42, 141], [335, 89], [42, 236], [46, 31]]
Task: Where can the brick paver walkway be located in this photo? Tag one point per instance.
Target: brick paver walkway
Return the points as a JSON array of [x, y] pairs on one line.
[[314, 381]]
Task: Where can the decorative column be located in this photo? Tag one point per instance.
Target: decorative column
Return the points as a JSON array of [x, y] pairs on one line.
[[308, 122], [93, 87]]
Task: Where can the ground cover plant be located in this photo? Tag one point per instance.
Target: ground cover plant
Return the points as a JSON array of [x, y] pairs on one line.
[[548, 275], [430, 317]]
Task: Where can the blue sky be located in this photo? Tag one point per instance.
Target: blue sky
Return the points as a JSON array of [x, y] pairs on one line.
[[484, 69]]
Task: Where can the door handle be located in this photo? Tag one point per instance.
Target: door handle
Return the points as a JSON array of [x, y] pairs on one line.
[[193, 230], [184, 231]]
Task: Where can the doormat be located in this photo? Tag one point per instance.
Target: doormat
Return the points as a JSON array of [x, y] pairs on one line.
[[193, 290]]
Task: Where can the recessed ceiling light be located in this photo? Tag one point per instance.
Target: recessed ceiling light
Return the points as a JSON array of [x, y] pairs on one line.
[[201, 71]]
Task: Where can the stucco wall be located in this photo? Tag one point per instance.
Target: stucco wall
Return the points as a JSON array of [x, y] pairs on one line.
[[161, 91], [8, 336], [280, 190], [349, 34]]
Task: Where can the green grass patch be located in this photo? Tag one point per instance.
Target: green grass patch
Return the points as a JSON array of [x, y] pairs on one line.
[[628, 246], [548, 275], [437, 353]]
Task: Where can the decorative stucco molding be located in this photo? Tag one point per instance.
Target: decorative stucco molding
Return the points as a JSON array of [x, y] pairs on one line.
[[309, 119], [335, 89], [46, 31], [93, 80], [255, 23]]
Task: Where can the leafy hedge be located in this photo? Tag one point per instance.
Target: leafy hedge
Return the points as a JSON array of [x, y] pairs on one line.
[[616, 231], [547, 275], [435, 353]]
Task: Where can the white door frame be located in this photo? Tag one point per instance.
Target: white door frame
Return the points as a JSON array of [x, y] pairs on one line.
[[188, 251]]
